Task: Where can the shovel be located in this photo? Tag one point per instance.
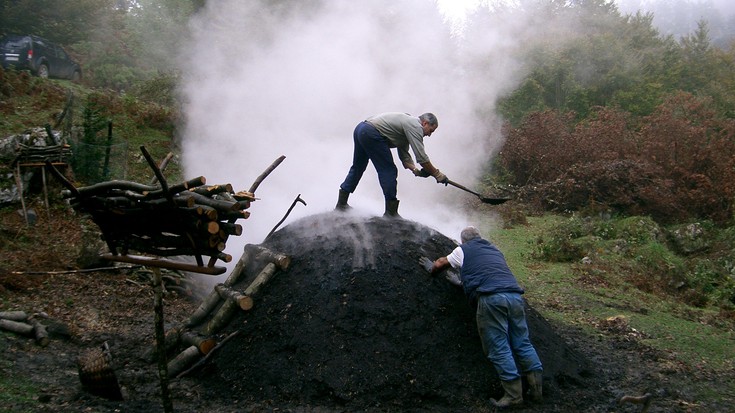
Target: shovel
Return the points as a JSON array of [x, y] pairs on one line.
[[485, 200]]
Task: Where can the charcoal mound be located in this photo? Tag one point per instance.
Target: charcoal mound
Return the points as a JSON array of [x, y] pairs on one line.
[[355, 323]]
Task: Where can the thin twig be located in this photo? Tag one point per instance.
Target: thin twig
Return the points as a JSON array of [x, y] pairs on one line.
[[298, 199], [266, 173], [209, 355], [125, 267]]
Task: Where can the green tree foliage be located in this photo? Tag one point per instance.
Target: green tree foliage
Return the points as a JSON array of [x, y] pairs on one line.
[[66, 22]]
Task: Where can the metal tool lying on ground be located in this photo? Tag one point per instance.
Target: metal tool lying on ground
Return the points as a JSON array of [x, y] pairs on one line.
[[483, 199]]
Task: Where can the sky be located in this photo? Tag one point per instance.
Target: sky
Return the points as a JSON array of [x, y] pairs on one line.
[[262, 81]]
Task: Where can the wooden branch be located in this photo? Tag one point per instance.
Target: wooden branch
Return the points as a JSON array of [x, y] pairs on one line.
[[60, 177], [183, 360], [208, 304], [231, 229], [281, 261], [158, 263], [262, 279], [206, 358], [265, 173], [40, 333], [645, 400], [162, 166], [16, 327], [239, 299], [203, 343], [158, 173], [298, 199], [213, 189], [160, 337], [13, 315], [182, 187]]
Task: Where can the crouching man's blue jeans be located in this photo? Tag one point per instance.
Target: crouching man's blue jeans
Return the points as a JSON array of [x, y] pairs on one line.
[[371, 146], [501, 322]]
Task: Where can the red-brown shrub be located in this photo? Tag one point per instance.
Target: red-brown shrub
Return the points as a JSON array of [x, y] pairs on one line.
[[679, 164]]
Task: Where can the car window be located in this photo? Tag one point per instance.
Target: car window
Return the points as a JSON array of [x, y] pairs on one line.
[[16, 43], [61, 54]]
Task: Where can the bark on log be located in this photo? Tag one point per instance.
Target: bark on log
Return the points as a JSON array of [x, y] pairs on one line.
[[208, 304], [222, 317], [183, 360], [39, 331], [213, 189], [261, 280], [227, 310], [233, 216], [203, 343], [239, 299], [265, 173], [157, 263], [16, 327], [162, 166], [248, 254], [231, 229], [214, 203], [202, 361], [281, 261], [13, 315]]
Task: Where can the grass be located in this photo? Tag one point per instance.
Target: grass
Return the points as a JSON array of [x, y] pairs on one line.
[[697, 337], [15, 391]]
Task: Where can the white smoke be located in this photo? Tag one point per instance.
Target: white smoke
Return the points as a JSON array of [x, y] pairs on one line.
[[264, 80]]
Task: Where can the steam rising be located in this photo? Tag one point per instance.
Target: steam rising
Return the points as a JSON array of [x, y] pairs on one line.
[[294, 78]]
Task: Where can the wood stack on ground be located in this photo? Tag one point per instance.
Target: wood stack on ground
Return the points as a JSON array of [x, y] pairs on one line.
[[20, 322]]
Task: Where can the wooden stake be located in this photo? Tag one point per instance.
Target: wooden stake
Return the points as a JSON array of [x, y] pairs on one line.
[[168, 406]]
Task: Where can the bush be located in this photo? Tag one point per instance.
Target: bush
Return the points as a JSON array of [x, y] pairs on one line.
[[679, 165]]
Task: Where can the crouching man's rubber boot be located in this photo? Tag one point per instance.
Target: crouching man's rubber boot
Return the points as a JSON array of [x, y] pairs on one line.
[[391, 209], [513, 394], [342, 201], [535, 385]]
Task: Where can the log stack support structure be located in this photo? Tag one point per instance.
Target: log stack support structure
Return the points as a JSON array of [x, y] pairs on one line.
[[197, 338], [27, 156]]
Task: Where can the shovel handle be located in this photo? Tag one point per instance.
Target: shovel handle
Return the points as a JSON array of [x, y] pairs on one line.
[[464, 188]]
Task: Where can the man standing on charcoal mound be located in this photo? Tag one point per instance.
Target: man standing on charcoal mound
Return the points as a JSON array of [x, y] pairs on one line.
[[374, 138], [501, 319]]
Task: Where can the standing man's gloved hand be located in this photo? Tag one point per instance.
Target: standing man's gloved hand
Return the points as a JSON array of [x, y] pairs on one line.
[[440, 177], [426, 263], [422, 173]]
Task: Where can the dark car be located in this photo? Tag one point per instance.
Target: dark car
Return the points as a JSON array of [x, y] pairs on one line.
[[42, 57]]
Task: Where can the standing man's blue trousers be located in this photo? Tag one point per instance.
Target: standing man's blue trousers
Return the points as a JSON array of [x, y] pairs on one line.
[[371, 146]]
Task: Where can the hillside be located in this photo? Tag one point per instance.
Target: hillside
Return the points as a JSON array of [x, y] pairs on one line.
[[604, 298]]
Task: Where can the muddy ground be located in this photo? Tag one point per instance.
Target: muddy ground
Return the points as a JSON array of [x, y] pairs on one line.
[[354, 324]]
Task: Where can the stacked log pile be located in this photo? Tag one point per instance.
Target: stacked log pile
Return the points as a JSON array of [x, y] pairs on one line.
[[192, 218], [187, 219], [197, 335], [38, 155]]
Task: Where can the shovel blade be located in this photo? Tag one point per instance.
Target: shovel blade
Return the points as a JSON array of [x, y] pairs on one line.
[[494, 201]]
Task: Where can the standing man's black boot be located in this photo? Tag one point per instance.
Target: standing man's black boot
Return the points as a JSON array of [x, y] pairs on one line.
[[342, 201], [391, 209]]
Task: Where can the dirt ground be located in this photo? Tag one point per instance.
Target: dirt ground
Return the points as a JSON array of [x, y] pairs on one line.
[[354, 324]]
